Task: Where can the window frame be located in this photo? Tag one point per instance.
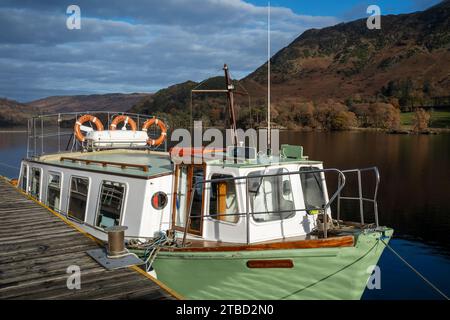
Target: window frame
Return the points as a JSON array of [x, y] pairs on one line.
[[40, 183], [60, 174], [323, 185], [122, 209], [87, 198], [26, 167], [293, 199], [211, 177]]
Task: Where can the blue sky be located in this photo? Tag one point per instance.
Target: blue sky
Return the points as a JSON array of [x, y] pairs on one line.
[[145, 45], [348, 9]]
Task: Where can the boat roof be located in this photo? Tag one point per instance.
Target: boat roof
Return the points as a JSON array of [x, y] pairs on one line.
[[260, 162], [147, 164], [139, 163]]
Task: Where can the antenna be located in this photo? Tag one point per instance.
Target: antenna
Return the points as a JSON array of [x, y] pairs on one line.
[[268, 77]]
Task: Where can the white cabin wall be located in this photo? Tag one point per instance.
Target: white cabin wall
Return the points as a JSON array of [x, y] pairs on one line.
[[154, 220], [134, 204]]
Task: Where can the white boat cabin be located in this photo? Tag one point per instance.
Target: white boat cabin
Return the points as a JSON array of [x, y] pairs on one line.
[[147, 192]]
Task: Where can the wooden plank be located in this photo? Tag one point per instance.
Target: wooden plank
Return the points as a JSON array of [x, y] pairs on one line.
[[36, 247]]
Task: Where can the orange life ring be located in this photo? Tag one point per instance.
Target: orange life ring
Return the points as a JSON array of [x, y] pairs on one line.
[[161, 125], [125, 119], [83, 119]]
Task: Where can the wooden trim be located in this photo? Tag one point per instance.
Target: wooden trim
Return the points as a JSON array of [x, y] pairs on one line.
[[335, 242], [101, 172], [283, 263], [175, 196], [190, 174], [107, 163]]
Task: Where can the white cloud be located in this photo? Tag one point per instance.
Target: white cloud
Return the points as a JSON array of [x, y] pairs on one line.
[[135, 46]]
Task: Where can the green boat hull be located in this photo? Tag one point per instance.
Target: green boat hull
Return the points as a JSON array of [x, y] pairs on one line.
[[319, 273]]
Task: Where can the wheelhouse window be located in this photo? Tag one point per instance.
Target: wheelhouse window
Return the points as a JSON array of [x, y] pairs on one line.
[[35, 182], [112, 196], [54, 191], [312, 185], [79, 189], [271, 197], [24, 181], [223, 204]]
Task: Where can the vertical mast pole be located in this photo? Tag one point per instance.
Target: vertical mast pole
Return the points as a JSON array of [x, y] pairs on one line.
[[230, 95], [268, 78]]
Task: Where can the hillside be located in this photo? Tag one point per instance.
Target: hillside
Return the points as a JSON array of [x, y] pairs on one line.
[[337, 77], [409, 58], [13, 113], [97, 102]]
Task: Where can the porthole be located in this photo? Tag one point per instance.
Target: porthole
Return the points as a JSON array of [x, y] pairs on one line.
[[159, 200]]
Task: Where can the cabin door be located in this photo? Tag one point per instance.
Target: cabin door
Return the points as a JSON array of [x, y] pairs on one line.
[[187, 190]]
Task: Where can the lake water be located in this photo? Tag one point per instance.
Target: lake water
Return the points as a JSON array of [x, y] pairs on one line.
[[413, 198]]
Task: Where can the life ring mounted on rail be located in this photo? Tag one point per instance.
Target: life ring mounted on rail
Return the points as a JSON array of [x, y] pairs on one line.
[[126, 120], [83, 119], [162, 127]]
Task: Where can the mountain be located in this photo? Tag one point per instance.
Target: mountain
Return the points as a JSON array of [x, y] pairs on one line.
[[13, 113], [336, 77], [348, 59], [94, 102]]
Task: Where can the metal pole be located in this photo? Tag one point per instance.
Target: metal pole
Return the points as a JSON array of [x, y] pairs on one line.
[[268, 78], [338, 202], [247, 210], [42, 135], [34, 136], [59, 132], [28, 137], [188, 220], [361, 204]]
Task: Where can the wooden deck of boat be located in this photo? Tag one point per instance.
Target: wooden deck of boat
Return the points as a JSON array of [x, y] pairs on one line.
[[37, 247]]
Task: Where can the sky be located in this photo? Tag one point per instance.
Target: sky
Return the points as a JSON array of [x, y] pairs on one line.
[[145, 45]]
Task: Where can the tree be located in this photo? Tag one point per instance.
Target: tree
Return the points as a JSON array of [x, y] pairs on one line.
[[421, 120]]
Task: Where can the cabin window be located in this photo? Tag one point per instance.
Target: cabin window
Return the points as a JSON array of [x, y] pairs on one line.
[[54, 191], [35, 182], [271, 197], [312, 185], [111, 203], [79, 188], [223, 199], [24, 181], [159, 200]]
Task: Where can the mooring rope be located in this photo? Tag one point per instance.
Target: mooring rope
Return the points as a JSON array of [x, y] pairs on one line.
[[416, 271], [8, 165]]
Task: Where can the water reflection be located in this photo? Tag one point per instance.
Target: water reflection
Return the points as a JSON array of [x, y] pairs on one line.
[[414, 171]]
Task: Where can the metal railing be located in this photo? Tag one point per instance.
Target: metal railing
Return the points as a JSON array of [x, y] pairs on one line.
[[323, 209], [54, 132], [360, 198]]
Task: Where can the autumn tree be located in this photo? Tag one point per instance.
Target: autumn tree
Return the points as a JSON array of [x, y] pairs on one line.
[[421, 120]]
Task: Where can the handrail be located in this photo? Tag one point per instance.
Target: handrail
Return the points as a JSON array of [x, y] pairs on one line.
[[52, 128], [247, 213], [360, 197], [106, 163]]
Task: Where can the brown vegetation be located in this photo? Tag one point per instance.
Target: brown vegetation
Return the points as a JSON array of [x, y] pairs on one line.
[[421, 121]]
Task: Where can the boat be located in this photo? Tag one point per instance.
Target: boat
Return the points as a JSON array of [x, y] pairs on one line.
[[232, 223]]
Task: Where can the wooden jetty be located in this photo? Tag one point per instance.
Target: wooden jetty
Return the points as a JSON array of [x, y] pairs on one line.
[[38, 245]]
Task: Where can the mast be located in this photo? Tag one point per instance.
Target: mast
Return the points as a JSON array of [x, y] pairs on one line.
[[268, 79], [230, 100], [230, 87]]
